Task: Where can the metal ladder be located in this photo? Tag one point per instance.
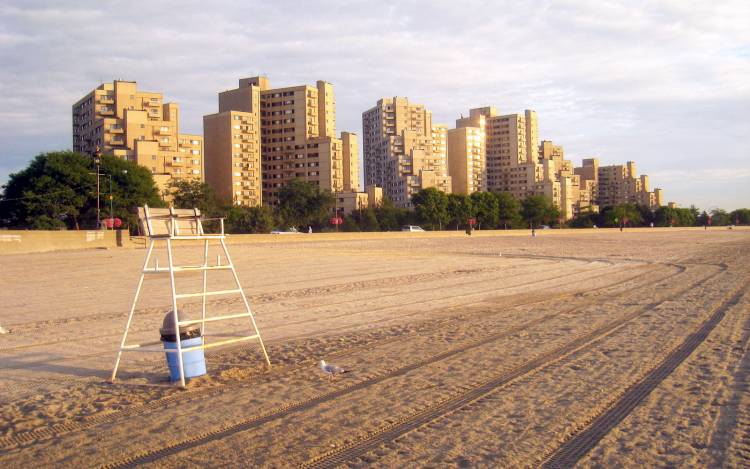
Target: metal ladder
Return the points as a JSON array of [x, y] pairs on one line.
[[174, 219]]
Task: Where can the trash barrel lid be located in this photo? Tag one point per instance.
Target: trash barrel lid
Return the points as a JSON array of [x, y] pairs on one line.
[[167, 326]]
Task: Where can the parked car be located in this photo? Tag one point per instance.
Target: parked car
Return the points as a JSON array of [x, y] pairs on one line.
[[411, 228], [291, 230], [544, 227]]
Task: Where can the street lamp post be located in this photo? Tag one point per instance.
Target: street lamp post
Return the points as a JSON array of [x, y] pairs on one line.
[[336, 209], [112, 198], [111, 212], [98, 161]]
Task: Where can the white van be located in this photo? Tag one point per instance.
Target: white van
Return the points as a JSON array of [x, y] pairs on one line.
[[411, 228]]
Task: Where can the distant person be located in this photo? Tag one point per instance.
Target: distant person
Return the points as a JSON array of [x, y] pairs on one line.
[[651, 224], [468, 229], [309, 229]]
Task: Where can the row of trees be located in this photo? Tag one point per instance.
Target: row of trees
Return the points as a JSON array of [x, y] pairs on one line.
[[489, 209], [58, 191], [639, 215]]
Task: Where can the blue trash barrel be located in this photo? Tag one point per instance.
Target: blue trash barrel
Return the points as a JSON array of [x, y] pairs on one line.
[[193, 362]]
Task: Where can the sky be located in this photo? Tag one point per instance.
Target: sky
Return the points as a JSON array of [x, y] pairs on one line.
[[665, 84]]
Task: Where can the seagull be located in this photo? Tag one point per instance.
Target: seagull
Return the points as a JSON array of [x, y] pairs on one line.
[[331, 369]]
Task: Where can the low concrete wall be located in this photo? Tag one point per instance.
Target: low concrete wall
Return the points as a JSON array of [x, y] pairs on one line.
[[14, 242], [352, 236], [303, 237], [17, 241]]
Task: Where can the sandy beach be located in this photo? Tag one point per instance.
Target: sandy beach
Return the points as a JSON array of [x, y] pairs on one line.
[[590, 349]]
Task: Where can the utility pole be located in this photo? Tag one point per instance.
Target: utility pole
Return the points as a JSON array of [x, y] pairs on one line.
[[98, 161], [336, 209], [111, 211]]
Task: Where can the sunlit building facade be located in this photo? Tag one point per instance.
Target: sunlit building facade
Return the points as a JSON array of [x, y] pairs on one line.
[[296, 139], [118, 119]]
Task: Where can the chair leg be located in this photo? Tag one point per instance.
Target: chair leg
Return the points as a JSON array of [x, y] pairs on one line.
[[247, 304], [132, 311], [175, 314]]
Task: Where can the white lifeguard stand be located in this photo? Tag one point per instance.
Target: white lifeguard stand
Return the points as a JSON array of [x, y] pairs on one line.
[[170, 225]]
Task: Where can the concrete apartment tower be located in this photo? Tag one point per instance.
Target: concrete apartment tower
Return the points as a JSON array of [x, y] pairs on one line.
[[297, 137], [351, 161], [140, 127], [512, 152], [575, 194], [620, 184], [398, 150], [466, 153], [233, 149], [510, 159]]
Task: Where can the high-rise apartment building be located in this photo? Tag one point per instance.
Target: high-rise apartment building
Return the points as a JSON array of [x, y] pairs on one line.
[[138, 126], [466, 164], [512, 153], [575, 195], [618, 184], [350, 147], [438, 161], [233, 149], [297, 137], [398, 150], [510, 150]]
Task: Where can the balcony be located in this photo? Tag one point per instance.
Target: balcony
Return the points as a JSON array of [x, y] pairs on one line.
[[164, 143], [116, 130], [107, 99], [164, 131], [117, 140], [148, 102], [106, 111]]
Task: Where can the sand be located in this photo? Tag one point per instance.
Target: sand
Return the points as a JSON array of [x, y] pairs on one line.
[[488, 351]]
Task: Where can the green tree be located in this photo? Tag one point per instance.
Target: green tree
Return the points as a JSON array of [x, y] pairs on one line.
[[350, 224], [303, 204], [693, 210], [741, 216], [250, 219], [190, 194], [460, 209], [486, 209], [646, 214], [367, 219], [585, 219], [389, 216], [702, 219], [667, 216], [58, 190], [720, 217], [132, 187], [509, 210], [622, 215], [431, 206], [538, 209]]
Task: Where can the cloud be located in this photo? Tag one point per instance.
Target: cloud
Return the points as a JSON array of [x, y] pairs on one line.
[[712, 174], [662, 83]]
